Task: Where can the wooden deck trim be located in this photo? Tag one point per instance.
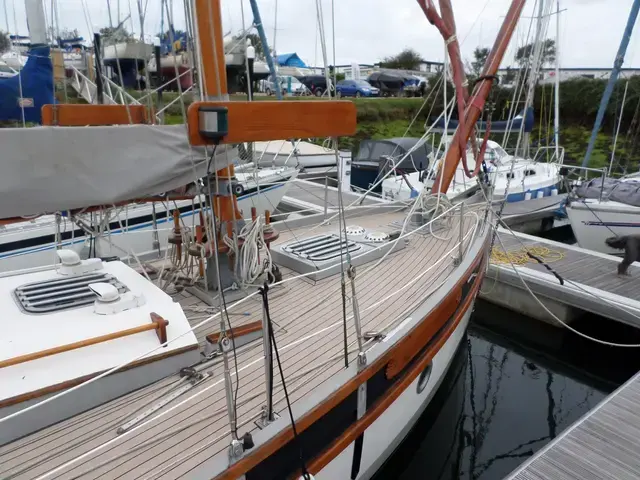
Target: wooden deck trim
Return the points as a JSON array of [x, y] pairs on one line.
[[236, 332], [76, 381], [282, 438], [397, 389]]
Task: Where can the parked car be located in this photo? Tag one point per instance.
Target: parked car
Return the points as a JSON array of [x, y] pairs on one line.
[[6, 71], [288, 84], [356, 88], [317, 84]]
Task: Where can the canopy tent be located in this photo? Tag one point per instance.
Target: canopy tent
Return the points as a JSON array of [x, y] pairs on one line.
[[290, 60], [496, 127], [22, 96]]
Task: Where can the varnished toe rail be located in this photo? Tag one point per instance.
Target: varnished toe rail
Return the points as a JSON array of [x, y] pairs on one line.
[[158, 324]]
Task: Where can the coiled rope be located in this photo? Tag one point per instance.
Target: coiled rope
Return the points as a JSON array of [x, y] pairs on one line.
[[524, 255]]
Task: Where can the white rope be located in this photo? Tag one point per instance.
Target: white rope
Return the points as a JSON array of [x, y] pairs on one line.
[[250, 266]]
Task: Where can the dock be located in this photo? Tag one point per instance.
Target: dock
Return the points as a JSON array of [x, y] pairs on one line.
[[603, 444], [591, 282]]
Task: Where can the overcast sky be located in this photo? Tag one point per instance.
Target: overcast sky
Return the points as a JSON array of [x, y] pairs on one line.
[[368, 30]]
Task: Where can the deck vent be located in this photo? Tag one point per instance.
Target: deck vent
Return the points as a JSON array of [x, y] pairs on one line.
[[322, 248], [376, 237], [355, 230], [63, 293], [319, 256]]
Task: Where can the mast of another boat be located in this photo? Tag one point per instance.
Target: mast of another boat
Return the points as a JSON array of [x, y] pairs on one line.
[[556, 118], [533, 76], [257, 20], [617, 65], [475, 105]]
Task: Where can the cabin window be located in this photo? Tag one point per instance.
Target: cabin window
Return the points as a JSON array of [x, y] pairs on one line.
[[529, 172], [511, 175]]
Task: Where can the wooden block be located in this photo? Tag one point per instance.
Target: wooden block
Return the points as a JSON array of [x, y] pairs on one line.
[[264, 121], [72, 115]]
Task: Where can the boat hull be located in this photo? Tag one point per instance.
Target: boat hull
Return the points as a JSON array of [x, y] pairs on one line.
[[592, 223], [387, 432], [36, 247]]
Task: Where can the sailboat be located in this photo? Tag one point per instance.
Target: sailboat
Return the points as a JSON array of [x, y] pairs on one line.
[[316, 368], [602, 208]]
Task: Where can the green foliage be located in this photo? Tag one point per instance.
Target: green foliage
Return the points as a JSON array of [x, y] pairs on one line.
[[524, 54], [480, 55], [111, 35], [5, 43], [407, 59]]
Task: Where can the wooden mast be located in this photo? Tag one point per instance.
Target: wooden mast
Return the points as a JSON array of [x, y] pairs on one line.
[[473, 108], [209, 32]]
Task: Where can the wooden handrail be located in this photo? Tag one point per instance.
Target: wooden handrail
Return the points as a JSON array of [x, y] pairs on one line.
[[158, 324]]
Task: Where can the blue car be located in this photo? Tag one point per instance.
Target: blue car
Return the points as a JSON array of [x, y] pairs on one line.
[[356, 88]]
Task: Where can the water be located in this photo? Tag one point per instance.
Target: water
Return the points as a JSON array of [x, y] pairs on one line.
[[507, 394]]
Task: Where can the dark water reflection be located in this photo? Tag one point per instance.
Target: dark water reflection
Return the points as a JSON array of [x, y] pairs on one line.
[[495, 408]]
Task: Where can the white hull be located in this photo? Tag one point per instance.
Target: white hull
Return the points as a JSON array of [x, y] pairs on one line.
[[308, 155], [593, 222], [134, 50], [521, 187], [137, 238], [387, 432]]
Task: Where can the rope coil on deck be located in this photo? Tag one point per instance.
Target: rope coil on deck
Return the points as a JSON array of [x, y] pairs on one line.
[[524, 255]]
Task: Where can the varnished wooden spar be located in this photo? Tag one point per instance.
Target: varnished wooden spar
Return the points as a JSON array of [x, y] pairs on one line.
[[399, 351], [265, 121], [158, 324]]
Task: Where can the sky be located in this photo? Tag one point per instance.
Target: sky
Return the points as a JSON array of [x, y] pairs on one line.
[[366, 31]]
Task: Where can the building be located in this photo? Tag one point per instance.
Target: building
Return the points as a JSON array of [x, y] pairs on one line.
[[548, 75]]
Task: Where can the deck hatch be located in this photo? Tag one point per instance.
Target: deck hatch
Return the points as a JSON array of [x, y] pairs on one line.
[[62, 293], [322, 247]]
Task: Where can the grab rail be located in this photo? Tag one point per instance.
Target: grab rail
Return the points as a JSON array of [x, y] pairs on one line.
[[158, 324]]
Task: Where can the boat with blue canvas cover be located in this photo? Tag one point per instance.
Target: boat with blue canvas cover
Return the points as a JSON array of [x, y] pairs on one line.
[[22, 96]]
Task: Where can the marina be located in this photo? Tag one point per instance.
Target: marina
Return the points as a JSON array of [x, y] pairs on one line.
[[222, 262]]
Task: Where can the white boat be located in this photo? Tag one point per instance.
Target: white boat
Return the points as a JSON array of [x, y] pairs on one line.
[[130, 229], [527, 179], [14, 59], [295, 153], [319, 367], [597, 212], [134, 50]]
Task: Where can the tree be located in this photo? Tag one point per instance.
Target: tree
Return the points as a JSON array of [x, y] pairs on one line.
[[115, 35], [5, 42], [408, 59], [480, 55], [256, 42], [524, 54]]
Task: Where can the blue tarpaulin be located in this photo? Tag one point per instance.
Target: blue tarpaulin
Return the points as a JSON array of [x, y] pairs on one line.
[[290, 60], [35, 82]]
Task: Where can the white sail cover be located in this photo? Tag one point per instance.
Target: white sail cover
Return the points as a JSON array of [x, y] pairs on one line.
[[50, 169]]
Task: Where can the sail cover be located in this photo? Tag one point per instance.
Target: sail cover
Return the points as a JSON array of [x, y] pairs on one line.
[[627, 191], [50, 169]]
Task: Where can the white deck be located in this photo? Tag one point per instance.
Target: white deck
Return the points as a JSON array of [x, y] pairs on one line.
[[24, 333]]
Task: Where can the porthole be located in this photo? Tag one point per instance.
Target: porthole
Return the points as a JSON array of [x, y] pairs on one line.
[[423, 380]]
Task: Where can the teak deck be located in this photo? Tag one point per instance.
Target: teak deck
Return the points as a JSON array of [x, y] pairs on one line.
[[308, 328]]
